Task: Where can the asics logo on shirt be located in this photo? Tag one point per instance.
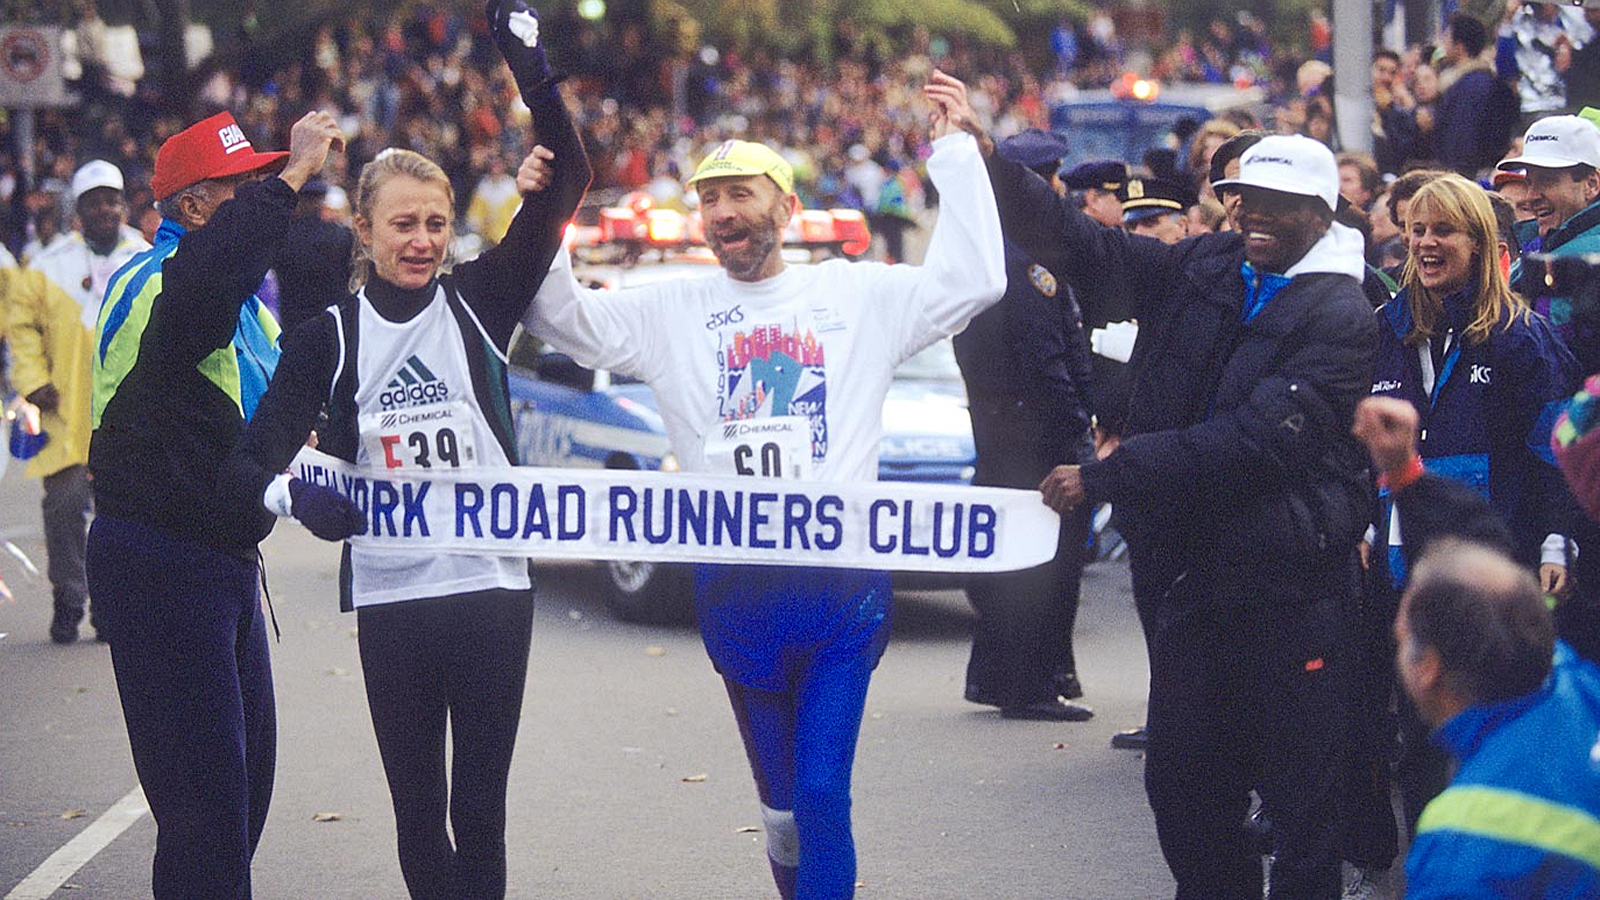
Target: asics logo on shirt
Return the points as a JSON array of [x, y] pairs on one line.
[[724, 317], [1480, 374], [413, 384]]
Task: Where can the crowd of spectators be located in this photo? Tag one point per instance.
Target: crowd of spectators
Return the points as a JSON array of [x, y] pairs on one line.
[[426, 79]]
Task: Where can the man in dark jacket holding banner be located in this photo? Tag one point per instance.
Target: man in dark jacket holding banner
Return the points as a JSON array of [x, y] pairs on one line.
[[1241, 494]]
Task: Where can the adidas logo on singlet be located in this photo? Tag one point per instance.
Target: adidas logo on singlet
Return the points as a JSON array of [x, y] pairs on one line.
[[413, 384]]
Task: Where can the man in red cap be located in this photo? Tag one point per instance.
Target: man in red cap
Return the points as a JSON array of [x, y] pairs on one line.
[[182, 351]]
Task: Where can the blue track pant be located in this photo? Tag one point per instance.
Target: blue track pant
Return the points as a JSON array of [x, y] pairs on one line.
[[796, 648], [189, 649]]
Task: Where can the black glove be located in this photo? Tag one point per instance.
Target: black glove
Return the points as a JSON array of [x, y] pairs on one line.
[[46, 397], [516, 32], [324, 511]]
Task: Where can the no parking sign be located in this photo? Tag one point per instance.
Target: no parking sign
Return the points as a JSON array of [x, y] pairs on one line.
[[30, 68]]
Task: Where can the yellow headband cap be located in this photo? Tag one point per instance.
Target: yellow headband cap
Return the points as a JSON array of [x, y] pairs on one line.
[[745, 158]]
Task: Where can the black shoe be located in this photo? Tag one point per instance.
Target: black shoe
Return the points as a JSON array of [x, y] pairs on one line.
[[975, 694], [1132, 739], [1067, 685], [1049, 711], [64, 624]]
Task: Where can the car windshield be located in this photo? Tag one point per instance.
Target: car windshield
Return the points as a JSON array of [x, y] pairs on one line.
[[936, 362]]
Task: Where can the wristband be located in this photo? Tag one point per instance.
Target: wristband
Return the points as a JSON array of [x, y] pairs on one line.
[[1403, 477]]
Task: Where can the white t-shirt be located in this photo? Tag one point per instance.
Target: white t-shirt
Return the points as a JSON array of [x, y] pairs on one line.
[[416, 410], [815, 345]]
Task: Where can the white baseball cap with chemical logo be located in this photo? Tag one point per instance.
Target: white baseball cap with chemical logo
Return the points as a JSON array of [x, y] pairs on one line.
[[1289, 164], [96, 173], [1558, 142]]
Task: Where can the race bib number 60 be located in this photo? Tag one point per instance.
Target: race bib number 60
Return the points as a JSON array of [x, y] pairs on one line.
[[778, 447], [438, 436]]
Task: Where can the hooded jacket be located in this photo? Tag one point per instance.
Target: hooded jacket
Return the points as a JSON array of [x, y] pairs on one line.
[[1238, 465]]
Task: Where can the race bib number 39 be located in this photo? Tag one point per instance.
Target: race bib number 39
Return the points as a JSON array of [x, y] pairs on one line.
[[778, 447], [437, 436]]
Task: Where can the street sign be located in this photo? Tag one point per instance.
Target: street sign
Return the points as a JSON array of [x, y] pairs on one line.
[[30, 68]]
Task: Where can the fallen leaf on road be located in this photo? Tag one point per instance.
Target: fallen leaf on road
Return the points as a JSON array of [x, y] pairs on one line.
[[695, 779], [748, 829], [574, 615], [672, 710], [1060, 746], [655, 651], [355, 632], [74, 814], [337, 672], [82, 690], [327, 817]]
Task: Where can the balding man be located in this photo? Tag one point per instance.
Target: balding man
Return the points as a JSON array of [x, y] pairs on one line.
[[1521, 818]]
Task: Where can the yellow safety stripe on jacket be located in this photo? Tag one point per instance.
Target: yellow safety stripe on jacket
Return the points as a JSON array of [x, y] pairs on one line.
[[1515, 818]]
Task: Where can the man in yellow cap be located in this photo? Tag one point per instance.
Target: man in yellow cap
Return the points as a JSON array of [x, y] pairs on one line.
[[806, 353], [182, 351]]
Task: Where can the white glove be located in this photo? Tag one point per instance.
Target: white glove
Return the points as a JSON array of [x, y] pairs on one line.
[[1115, 341]]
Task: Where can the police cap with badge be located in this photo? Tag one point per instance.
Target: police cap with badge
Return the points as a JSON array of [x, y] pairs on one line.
[[1143, 198]]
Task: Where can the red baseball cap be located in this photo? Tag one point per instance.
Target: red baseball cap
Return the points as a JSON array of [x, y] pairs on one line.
[[211, 148]]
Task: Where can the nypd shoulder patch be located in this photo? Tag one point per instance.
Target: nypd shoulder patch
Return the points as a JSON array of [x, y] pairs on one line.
[[1043, 281]]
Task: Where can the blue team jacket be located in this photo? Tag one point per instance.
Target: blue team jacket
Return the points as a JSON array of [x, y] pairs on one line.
[[1487, 421], [1521, 819]]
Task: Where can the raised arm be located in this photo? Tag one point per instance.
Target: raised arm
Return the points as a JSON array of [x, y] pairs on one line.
[[964, 270], [552, 179], [218, 266], [1050, 230]]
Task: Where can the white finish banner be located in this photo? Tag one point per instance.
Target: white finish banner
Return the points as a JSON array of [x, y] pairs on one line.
[[693, 517]]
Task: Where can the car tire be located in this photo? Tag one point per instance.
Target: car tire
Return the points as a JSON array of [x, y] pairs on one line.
[[647, 592]]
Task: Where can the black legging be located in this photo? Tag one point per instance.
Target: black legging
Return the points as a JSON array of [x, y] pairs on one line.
[[465, 656]]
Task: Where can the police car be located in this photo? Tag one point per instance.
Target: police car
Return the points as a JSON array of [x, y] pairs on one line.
[[567, 415]]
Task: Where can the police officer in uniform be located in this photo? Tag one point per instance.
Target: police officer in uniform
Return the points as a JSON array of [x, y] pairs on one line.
[[1025, 362], [1095, 185], [1156, 207]]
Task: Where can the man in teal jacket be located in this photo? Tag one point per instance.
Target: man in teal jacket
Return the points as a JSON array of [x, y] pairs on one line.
[[1561, 156], [1521, 818]]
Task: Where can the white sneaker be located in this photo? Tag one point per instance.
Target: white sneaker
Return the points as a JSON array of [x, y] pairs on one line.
[[1360, 883]]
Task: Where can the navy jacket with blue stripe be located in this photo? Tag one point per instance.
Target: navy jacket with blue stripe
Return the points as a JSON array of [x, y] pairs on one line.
[[1487, 422]]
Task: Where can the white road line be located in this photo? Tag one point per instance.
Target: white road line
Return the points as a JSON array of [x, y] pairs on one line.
[[54, 872]]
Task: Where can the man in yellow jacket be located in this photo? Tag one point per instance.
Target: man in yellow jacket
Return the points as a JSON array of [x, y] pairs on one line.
[[51, 309]]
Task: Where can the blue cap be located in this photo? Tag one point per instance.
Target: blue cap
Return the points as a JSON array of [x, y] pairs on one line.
[[1100, 174], [1034, 148]]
